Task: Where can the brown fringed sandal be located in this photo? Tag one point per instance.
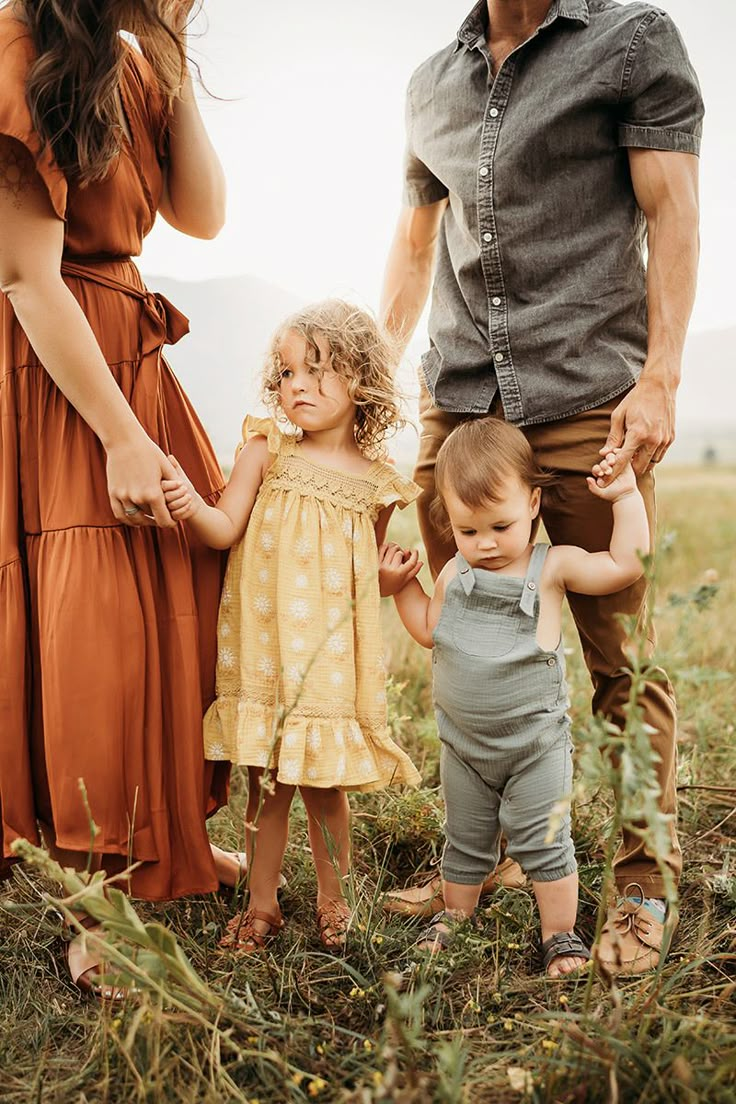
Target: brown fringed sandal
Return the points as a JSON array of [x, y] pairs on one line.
[[242, 936]]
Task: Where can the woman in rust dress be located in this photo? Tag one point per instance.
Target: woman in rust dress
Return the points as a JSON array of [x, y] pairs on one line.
[[107, 610]]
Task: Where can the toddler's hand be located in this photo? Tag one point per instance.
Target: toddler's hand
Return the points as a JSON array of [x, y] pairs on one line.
[[181, 498], [624, 483], [396, 567]]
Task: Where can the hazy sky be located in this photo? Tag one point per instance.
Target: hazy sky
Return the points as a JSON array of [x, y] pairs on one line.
[[312, 136]]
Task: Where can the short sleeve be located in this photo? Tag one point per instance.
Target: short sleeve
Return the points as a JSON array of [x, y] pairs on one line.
[[661, 104], [421, 186], [396, 489], [16, 55], [262, 427]]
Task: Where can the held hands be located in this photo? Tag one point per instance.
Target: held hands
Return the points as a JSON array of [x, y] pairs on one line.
[[136, 468], [642, 425], [396, 567], [181, 498], [604, 483]]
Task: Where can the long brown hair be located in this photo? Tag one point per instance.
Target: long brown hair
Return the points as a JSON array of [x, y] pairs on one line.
[[72, 86]]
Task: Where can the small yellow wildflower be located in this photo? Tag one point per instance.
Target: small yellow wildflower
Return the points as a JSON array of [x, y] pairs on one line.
[[549, 1045], [508, 1025], [564, 999], [297, 1077], [496, 998], [252, 1040], [315, 1086], [378, 940], [377, 1077]]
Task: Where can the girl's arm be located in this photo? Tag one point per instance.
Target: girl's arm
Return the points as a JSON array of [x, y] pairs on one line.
[[397, 571], [31, 246], [193, 199], [223, 525], [607, 572]]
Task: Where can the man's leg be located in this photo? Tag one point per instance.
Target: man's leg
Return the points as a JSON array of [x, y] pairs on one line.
[[572, 515]]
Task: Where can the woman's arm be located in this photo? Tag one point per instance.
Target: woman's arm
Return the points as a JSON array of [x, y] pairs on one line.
[[223, 525], [193, 200], [31, 247]]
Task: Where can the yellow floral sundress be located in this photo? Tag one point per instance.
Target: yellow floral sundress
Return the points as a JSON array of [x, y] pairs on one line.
[[301, 679]]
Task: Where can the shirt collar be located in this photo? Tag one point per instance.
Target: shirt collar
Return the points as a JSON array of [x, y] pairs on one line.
[[475, 25]]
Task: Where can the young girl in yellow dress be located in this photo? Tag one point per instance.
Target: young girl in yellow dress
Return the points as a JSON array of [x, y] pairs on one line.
[[300, 676]]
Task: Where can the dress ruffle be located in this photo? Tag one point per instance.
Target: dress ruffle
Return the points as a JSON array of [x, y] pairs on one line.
[[307, 751]]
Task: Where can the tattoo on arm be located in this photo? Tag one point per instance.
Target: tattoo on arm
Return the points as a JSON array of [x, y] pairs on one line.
[[18, 174]]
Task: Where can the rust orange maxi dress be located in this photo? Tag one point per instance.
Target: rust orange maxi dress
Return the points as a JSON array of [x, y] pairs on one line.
[[107, 633]]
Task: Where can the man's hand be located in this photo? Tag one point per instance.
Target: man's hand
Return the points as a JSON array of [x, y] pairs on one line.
[[642, 426], [396, 567]]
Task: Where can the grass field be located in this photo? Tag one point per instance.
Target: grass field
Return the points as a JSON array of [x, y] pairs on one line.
[[481, 1025]]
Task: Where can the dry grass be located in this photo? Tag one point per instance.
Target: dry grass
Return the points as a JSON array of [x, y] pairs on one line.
[[483, 1025]]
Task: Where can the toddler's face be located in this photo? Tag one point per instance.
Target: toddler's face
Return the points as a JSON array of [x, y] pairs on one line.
[[496, 535], [313, 396]]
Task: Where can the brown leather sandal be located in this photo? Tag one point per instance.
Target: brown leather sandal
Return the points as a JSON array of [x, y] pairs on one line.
[[242, 936], [87, 979], [333, 921]]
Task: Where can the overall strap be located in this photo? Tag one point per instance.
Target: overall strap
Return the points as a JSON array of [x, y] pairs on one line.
[[532, 578], [465, 573]]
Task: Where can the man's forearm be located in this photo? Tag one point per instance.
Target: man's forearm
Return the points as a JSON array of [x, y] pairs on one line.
[[671, 280], [409, 269]]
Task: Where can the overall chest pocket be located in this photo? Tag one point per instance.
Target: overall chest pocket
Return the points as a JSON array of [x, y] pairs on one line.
[[483, 631]]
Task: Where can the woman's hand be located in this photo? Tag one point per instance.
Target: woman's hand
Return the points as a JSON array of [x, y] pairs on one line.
[[135, 469]]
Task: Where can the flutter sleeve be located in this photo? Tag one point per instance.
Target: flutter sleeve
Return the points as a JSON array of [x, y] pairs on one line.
[[16, 56], [396, 489], [262, 427]]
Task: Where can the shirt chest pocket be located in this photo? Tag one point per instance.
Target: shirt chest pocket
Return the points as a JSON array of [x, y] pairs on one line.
[[479, 631]]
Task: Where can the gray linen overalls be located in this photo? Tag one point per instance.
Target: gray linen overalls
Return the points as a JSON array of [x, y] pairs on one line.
[[501, 705]]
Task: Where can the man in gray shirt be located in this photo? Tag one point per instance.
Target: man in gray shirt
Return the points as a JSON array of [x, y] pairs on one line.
[[546, 147]]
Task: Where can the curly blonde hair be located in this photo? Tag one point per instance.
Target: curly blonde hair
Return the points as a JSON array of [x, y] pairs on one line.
[[360, 352]]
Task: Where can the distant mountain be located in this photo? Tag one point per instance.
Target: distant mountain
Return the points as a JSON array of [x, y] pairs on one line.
[[232, 319]]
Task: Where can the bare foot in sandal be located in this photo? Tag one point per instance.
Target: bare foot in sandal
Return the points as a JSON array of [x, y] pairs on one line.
[[85, 963], [251, 931], [333, 921], [564, 953]]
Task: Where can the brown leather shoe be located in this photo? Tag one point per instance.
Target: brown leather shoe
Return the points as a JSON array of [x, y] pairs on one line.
[[631, 939], [427, 900]]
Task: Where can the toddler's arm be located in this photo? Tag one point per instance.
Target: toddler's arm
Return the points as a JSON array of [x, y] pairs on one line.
[[607, 572], [397, 571], [220, 526]]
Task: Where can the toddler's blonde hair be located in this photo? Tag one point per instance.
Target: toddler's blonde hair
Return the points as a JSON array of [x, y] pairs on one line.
[[360, 352]]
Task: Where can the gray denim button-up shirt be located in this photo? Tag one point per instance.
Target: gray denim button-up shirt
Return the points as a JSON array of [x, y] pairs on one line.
[[539, 289]]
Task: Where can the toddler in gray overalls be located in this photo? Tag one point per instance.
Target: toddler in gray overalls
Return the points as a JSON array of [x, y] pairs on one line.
[[499, 672]]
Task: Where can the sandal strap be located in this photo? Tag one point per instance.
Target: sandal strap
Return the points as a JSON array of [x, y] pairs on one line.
[[433, 933], [562, 944]]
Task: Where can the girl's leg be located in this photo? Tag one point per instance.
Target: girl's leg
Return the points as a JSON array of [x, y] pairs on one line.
[[558, 910], [328, 817], [266, 834]]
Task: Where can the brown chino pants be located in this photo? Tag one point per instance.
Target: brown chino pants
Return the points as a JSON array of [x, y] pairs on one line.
[[572, 515]]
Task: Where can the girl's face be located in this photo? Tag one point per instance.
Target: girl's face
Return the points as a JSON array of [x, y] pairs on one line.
[[313, 396], [496, 535]]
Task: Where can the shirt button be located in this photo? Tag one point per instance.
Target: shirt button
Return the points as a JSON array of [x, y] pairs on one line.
[[487, 236], [493, 112], [499, 358], [484, 170], [496, 301], [551, 661], [531, 585]]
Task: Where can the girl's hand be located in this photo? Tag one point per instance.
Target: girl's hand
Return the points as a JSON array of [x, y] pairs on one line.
[[624, 483], [135, 470], [182, 499], [396, 568]]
